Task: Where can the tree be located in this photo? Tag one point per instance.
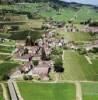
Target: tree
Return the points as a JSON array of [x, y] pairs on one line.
[[57, 51], [35, 62], [94, 50], [58, 66], [82, 51], [44, 57], [29, 41]]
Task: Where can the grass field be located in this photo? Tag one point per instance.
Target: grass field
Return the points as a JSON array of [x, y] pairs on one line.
[[6, 49], [4, 57], [78, 68], [1, 94], [12, 43], [6, 65], [44, 10], [75, 36], [85, 13], [78, 36], [90, 91], [42, 91]]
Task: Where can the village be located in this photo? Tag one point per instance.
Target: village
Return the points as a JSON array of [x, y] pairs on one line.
[[48, 50], [36, 56]]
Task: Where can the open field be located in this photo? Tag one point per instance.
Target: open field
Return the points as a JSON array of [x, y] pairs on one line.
[[75, 36], [90, 91], [6, 67], [4, 57], [9, 43], [1, 93], [20, 20], [86, 12], [78, 68], [42, 91], [6, 49], [44, 10]]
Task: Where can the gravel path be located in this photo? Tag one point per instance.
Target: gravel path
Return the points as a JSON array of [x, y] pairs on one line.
[[88, 59], [78, 91]]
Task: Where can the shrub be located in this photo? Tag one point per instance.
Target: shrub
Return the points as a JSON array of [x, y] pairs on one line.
[[35, 62], [57, 51], [5, 77], [81, 51], [27, 77]]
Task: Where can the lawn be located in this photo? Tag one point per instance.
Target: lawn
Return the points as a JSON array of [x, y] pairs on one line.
[[1, 93], [78, 68], [45, 91], [90, 91]]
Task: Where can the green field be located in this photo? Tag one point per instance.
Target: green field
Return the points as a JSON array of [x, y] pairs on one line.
[[6, 49], [45, 91], [44, 10], [75, 36], [78, 68], [90, 91], [1, 94], [6, 65], [10, 43], [4, 57]]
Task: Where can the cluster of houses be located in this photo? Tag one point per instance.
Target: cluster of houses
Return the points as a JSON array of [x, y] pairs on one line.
[[53, 24], [70, 28], [83, 28], [28, 54], [87, 46]]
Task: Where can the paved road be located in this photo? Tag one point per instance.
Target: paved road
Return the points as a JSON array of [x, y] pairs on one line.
[[12, 90]]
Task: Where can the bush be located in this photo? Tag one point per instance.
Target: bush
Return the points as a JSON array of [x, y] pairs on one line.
[[94, 50], [58, 62], [58, 69], [81, 51], [65, 47], [57, 51], [35, 62], [5, 77], [27, 77]]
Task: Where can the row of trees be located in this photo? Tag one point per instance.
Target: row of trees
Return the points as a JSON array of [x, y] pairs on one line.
[[56, 56], [15, 1], [55, 2]]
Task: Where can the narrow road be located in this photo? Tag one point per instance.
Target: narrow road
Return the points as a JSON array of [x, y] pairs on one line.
[[4, 92], [12, 90], [88, 59], [78, 91], [7, 45], [2, 53]]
